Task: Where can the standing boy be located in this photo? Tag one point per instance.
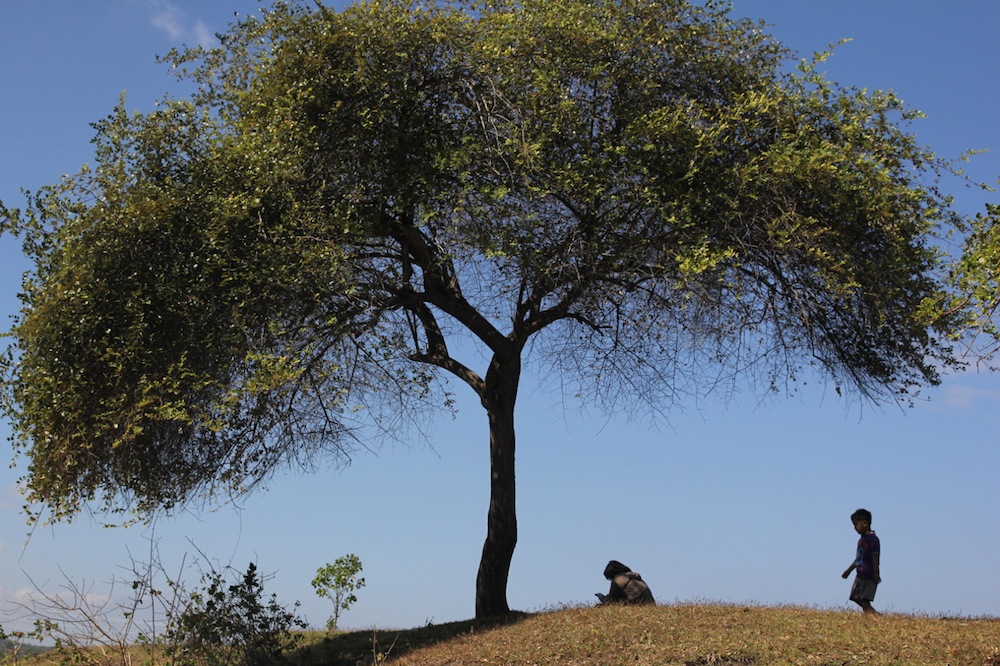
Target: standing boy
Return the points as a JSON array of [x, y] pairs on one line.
[[866, 562]]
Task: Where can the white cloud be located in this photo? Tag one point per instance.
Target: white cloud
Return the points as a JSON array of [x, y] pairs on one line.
[[968, 397], [11, 498], [204, 36], [178, 27], [23, 594], [168, 18]]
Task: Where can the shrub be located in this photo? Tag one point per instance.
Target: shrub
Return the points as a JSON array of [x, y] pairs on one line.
[[231, 624]]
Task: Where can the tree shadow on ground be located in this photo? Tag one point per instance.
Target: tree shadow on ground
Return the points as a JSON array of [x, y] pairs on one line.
[[369, 646]]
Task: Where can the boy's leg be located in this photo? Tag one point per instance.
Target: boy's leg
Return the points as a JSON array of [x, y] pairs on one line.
[[862, 593]]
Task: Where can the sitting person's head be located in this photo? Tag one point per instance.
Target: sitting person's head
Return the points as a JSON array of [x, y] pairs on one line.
[[615, 568]]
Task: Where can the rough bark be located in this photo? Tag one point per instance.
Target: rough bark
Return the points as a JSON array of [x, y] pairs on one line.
[[499, 398]]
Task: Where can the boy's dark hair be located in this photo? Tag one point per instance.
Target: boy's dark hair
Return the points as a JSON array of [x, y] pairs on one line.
[[861, 514]]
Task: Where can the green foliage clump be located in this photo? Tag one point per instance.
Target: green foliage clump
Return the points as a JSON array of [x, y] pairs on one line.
[[13, 643], [977, 280], [232, 624]]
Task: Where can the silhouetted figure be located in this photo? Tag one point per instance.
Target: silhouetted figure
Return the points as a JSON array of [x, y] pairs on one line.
[[866, 562], [627, 587]]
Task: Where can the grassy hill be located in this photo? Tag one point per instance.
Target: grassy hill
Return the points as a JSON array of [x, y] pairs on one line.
[[682, 635], [672, 635]]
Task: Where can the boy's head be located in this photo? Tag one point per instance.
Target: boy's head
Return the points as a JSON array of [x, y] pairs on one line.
[[862, 519]]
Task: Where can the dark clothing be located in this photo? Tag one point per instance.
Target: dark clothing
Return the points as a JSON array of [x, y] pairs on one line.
[[629, 588], [868, 545], [863, 590]]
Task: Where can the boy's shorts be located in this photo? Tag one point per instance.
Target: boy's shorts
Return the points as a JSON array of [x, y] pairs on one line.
[[863, 589]]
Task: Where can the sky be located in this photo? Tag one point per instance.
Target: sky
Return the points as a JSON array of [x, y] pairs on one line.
[[736, 499]]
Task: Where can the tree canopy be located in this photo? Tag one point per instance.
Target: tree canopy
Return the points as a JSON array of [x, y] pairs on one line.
[[279, 267], [976, 278]]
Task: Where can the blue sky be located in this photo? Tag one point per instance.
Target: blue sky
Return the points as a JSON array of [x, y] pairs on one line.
[[736, 500]]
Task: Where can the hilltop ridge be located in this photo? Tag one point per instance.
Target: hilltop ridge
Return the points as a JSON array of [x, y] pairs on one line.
[[683, 635]]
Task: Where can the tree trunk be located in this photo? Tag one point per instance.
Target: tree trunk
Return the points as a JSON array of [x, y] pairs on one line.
[[501, 524]]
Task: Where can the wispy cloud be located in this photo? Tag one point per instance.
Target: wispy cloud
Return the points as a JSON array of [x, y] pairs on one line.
[[966, 397], [11, 498], [179, 27]]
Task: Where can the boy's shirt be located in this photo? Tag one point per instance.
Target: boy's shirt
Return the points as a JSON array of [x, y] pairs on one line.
[[868, 545]]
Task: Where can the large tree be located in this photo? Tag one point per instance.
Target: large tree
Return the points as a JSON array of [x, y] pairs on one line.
[[635, 191]]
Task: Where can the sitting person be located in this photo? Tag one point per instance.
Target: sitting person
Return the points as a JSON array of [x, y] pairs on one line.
[[627, 587]]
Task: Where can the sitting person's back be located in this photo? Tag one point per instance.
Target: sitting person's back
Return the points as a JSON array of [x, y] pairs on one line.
[[627, 586]]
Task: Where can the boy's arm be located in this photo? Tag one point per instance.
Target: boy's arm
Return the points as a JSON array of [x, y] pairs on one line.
[[847, 572], [876, 574]]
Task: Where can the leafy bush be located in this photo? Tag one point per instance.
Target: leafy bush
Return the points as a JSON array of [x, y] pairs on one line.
[[231, 624]]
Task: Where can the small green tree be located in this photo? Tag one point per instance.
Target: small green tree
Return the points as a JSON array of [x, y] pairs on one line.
[[337, 582]]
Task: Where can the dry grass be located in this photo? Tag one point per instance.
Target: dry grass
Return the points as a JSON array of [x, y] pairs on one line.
[[672, 635], [692, 635]]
